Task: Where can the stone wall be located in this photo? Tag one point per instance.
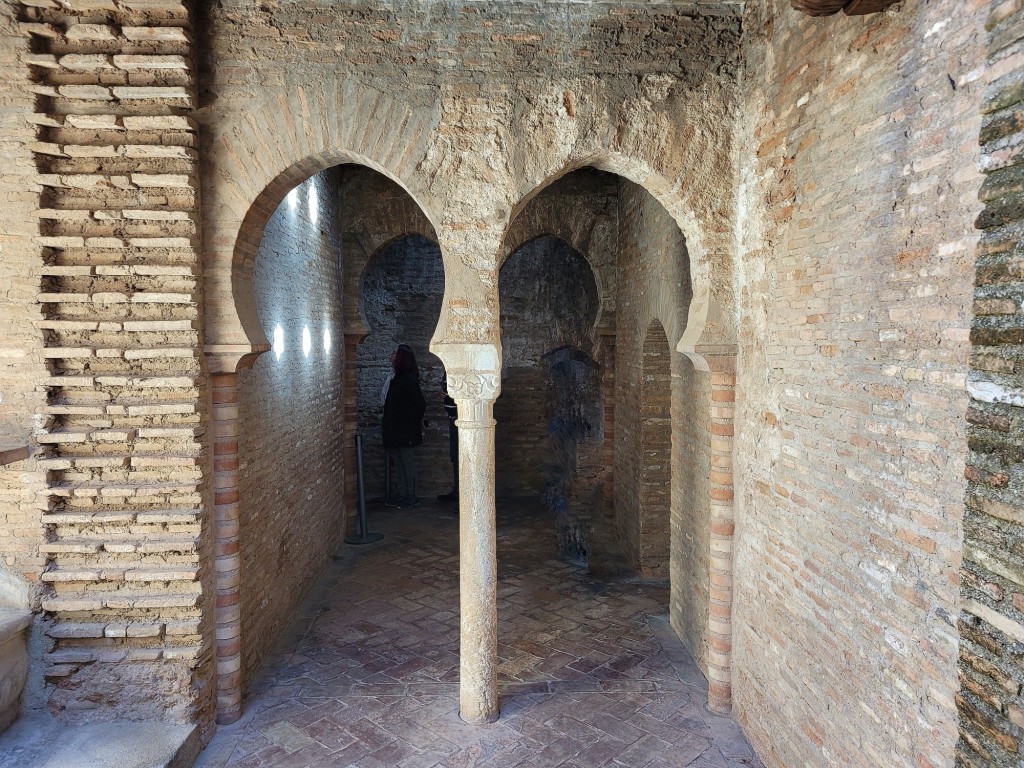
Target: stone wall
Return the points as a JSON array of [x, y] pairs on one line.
[[990, 701], [291, 479], [859, 196]]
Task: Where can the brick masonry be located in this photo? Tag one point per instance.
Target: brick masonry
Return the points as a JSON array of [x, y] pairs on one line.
[[574, 220], [378, 214], [22, 364], [401, 292], [548, 300], [121, 435], [290, 439], [856, 295], [990, 701], [460, 149]]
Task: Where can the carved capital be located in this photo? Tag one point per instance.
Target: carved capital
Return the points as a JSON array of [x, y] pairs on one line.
[[474, 393], [465, 385]]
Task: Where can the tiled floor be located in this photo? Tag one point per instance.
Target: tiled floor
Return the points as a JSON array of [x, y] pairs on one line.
[[591, 674]]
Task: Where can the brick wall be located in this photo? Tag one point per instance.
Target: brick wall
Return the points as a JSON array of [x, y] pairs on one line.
[[553, 432], [21, 342], [291, 479], [858, 247], [653, 297], [990, 701], [287, 90], [121, 436]]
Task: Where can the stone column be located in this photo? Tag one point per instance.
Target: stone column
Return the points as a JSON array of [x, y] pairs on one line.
[[475, 393], [226, 542], [723, 396]]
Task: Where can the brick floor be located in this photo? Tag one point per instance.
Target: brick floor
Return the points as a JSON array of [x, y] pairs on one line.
[[591, 674]]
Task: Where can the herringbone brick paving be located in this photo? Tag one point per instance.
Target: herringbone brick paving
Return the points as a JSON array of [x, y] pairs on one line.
[[591, 674]]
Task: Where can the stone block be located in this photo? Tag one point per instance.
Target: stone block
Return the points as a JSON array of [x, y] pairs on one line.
[[13, 661]]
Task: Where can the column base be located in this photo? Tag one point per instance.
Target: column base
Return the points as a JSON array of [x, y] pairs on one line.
[[480, 719], [720, 699]]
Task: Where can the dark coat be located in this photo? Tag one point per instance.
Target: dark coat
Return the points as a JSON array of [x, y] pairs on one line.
[[404, 407]]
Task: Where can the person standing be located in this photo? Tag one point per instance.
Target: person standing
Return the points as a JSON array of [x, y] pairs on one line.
[[404, 407], [452, 410]]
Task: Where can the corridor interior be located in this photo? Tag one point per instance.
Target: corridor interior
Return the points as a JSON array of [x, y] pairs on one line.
[[603, 609], [591, 673], [729, 296]]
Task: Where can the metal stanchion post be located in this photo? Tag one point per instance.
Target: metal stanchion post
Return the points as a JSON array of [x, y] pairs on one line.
[[364, 536]]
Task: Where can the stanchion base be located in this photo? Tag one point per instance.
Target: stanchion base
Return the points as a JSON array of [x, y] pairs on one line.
[[368, 538]]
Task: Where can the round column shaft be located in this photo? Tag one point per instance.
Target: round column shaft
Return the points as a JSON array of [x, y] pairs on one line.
[[478, 566]]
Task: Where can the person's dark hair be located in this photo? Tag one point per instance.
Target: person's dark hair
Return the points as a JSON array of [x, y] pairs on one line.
[[405, 361]]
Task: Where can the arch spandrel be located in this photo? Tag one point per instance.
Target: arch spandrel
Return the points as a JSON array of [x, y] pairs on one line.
[[257, 157]]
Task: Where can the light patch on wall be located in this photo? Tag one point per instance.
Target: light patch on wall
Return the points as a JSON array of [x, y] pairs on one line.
[[314, 211], [327, 339], [307, 340], [293, 199], [278, 341]]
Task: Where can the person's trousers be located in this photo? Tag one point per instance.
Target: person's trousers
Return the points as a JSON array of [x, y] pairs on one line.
[[405, 471]]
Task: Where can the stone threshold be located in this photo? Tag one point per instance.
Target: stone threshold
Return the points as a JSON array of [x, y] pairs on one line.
[[39, 741]]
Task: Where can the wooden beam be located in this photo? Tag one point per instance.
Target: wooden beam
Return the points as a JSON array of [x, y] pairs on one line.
[[861, 7], [849, 7], [818, 7]]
